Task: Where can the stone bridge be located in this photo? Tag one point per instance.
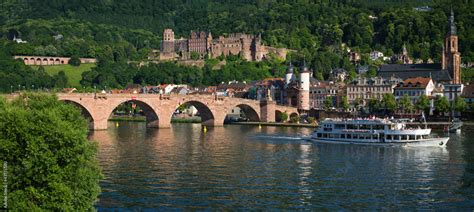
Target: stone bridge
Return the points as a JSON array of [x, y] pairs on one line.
[[159, 109]]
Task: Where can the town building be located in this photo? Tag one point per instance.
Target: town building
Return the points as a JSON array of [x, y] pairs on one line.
[[451, 91], [375, 55], [318, 94], [468, 94], [354, 57], [275, 87], [364, 89], [402, 58], [414, 88]]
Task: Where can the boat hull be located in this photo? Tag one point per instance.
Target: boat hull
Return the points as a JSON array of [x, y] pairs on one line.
[[432, 142]]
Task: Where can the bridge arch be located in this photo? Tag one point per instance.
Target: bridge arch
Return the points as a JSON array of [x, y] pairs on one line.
[[84, 111], [206, 114], [151, 115], [278, 118], [250, 112]]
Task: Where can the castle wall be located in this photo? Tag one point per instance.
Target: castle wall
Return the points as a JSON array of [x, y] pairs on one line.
[[46, 61]]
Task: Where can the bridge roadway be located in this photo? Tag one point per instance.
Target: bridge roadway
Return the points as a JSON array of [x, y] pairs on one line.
[[159, 108]]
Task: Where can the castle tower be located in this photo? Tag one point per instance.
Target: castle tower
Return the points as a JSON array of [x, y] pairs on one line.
[[303, 92], [168, 41], [246, 51], [451, 59], [289, 74]]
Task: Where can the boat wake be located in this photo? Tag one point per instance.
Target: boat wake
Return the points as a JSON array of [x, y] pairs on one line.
[[276, 137]]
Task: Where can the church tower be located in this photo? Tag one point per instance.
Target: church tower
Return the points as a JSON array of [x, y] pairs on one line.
[[303, 92], [451, 59]]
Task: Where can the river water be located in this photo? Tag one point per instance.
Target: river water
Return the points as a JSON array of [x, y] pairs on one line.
[[247, 167]]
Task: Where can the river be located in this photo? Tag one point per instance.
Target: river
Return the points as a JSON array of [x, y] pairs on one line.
[[247, 167]]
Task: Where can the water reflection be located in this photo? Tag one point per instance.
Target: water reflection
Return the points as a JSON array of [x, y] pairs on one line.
[[247, 167]]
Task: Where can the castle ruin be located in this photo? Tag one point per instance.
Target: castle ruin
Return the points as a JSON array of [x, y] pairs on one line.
[[248, 47]]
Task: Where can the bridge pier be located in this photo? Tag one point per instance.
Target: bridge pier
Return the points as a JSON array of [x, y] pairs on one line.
[[153, 124], [267, 111], [100, 124]]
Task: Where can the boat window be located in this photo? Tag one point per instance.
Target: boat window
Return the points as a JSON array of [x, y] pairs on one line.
[[355, 136], [395, 137], [412, 137], [319, 135], [343, 136], [403, 137], [374, 136], [364, 127], [339, 126], [378, 127], [349, 135], [351, 126]]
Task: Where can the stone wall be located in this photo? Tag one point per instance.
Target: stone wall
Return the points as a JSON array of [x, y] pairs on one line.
[[47, 61]]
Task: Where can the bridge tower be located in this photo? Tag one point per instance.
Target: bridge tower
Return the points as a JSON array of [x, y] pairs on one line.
[[303, 92]]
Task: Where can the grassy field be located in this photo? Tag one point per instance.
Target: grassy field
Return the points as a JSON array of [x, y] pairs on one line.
[[73, 73]]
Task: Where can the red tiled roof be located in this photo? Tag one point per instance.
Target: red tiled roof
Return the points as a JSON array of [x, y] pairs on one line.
[[416, 82]]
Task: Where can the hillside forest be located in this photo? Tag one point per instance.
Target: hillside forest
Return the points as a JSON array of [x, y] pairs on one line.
[[121, 34]]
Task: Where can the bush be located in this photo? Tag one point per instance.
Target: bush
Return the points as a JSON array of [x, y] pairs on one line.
[[283, 117], [75, 61], [51, 163], [295, 119]]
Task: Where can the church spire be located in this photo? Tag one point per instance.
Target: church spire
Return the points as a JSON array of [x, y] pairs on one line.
[[452, 30]]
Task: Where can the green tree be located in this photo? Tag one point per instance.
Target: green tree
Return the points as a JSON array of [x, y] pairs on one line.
[[194, 55], [405, 104], [389, 103], [344, 103], [51, 164], [423, 103], [352, 75], [328, 103], [459, 104], [283, 116], [373, 105], [441, 104], [60, 80], [75, 61], [357, 103], [295, 119]]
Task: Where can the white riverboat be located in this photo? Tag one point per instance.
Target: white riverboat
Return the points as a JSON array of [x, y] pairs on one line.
[[374, 131]]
